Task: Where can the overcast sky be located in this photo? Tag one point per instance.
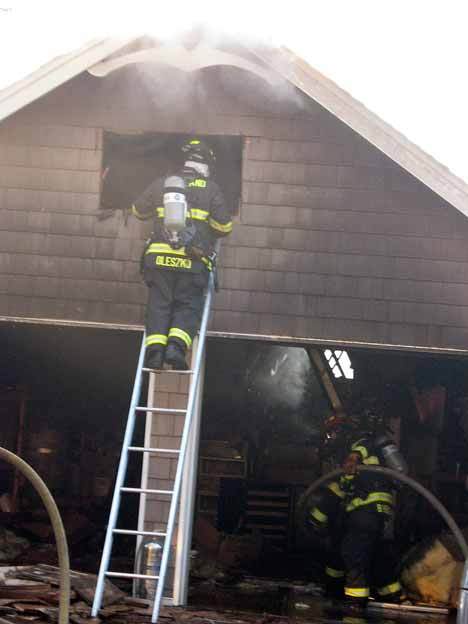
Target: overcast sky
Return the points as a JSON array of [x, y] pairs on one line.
[[406, 60]]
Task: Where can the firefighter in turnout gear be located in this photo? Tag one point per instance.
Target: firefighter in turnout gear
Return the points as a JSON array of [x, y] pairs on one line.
[[189, 214], [353, 512]]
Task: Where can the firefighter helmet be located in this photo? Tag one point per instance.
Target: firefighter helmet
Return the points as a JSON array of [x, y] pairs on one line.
[[198, 151]]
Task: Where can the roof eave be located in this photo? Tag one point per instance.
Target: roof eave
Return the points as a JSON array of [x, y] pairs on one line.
[[55, 73], [369, 125]]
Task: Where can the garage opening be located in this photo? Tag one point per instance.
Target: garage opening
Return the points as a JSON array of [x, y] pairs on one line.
[[64, 397], [263, 442]]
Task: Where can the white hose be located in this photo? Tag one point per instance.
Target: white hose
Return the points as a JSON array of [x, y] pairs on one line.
[[57, 525]]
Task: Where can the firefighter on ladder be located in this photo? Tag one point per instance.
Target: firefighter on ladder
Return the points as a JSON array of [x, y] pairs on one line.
[[189, 214], [353, 511]]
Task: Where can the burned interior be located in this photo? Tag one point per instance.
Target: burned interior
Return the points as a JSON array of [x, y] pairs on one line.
[[64, 411], [263, 443]]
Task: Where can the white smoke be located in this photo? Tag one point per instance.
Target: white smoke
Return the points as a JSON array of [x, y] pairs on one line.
[[353, 43], [279, 375]]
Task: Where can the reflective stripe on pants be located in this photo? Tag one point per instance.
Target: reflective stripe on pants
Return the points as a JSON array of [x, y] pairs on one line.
[[155, 339], [175, 302], [334, 573], [176, 332], [392, 588], [357, 592]]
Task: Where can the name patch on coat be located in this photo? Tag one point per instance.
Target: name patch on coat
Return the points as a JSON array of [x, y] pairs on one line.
[[176, 263]]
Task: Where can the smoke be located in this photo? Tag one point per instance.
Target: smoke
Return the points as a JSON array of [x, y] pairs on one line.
[[283, 393], [278, 376], [68, 26]]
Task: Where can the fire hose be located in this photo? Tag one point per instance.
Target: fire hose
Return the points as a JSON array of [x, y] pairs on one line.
[[57, 525], [462, 616]]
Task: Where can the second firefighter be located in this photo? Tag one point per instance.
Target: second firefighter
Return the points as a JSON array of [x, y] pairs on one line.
[[354, 511]]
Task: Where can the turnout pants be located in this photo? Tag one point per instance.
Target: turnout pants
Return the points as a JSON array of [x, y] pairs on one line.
[[367, 556], [175, 302], [363, 561]]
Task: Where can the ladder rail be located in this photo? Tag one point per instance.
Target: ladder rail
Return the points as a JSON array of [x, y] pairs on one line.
[[183, 448], [120, 479], [119, 488]]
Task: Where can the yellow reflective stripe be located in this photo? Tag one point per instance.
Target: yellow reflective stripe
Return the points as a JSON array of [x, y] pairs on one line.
[[165, 248], [393, 588], [160, 211], [335, 488], [139, 215], [207, 262], [194, 142], [198, 182], [373, 460], [382, 508], [358, 448], [357, 592], [155, 339], [334, 573], [221, 227], [175, 332], [318, 515], [198, 213], [375, 497]]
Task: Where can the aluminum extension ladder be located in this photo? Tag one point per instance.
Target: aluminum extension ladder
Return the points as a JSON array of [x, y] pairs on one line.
[[134, 409]]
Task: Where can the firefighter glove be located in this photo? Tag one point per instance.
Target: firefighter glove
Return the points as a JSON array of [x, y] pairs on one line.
[[351, 463]]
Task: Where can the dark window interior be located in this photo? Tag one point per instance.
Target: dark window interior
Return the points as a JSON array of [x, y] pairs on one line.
[[132, 162]]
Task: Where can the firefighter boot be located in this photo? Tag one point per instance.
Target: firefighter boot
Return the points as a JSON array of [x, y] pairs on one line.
[[175, 356], [154, 357], [354, 605]]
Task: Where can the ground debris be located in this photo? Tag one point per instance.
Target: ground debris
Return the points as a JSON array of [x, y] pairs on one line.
[[14, 588], [83, 583]]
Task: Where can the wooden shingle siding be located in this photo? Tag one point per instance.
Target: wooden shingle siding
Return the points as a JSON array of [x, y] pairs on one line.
[[36, 134], [50, 157], [50, 201], [333, 240], [49, 179]]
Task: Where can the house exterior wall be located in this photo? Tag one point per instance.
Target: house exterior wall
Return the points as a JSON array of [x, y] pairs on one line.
[[168, 391], [333, 240]]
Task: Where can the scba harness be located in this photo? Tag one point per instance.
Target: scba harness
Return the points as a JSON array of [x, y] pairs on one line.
[[180, 226]]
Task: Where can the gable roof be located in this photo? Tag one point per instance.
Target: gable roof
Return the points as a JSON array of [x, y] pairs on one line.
[[55, 73], [284, 63]]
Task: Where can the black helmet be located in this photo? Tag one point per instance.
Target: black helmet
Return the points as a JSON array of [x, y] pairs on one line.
[[198, 151]]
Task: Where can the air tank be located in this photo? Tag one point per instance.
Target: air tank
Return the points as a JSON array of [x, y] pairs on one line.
[[175, 204], [391, 455], [148, 561]]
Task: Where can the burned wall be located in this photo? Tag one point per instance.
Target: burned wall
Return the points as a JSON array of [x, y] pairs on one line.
[[333, 240]]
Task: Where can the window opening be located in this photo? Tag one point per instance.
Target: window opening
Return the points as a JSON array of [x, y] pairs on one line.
[[132, 162], [340, 364]]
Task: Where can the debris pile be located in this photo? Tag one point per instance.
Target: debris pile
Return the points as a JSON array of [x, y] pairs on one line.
[[30, 593]]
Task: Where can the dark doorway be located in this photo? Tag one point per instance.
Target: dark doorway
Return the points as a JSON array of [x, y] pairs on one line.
[[263, 442], [77, 384]]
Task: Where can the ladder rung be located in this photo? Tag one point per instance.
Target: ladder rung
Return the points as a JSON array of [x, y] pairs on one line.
[[150, 577], [171, 372], [145, 491], [134, 532], [161, 410], [142, 449]]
